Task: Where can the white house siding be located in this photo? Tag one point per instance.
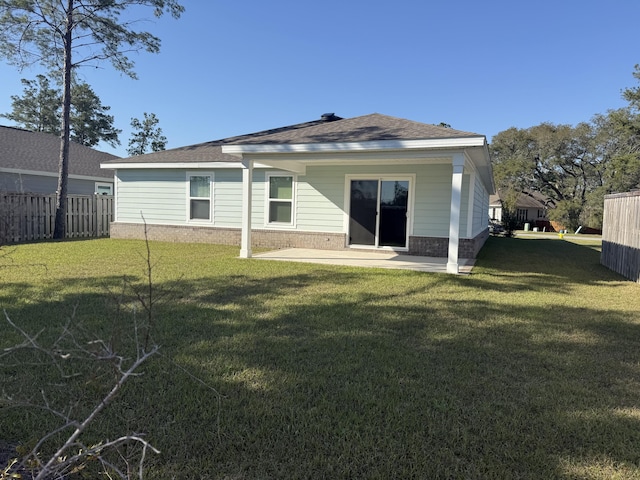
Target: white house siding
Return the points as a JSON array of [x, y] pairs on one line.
[[159, 195], [227, 198], [259, 197], [320, 199], [464, 207], [433, 201], [480, 208], [321, 196]]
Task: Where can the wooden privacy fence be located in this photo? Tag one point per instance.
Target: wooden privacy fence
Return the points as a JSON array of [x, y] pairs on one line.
[[26, 217], [621, 234]]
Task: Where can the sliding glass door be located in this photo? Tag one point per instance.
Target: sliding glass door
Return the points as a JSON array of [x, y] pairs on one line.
[[378, 212]]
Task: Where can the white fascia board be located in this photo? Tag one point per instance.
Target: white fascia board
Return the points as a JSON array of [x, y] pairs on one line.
[[451, 143], [177, 165], [39, 173]]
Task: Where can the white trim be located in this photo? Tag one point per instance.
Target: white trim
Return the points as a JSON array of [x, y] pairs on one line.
[[247, 207], [294, 202], [453, 265], [475, 141], [410, 177], [39, 173], [177, 165], [116, 179], [199, 221], [103, 184]]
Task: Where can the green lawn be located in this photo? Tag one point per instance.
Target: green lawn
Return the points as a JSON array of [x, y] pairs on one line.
[[527, 368]]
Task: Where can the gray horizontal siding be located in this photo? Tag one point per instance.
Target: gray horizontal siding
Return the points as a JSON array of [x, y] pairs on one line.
[[45, 185]]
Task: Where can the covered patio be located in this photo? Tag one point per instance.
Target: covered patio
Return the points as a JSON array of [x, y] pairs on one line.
[[360, 258]]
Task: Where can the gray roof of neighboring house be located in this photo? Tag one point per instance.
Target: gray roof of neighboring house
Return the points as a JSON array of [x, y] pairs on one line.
[[525, 200], [329, 129], [36, 151]]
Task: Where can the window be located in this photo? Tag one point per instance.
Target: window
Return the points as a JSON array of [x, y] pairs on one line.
[[280, 199], [104, 188], [199, 197], [522, 214]]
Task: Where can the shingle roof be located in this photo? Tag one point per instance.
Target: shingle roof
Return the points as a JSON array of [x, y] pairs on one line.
[[329, 129], [36, 151], [373, 127], [525, 200]]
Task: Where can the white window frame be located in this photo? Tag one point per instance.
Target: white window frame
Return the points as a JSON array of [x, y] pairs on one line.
[[268, 199], [189, 197], [103, 184]]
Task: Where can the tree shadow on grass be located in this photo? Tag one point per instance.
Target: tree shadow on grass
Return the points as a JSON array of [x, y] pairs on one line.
[[324, 372], [442, 391], [515, 264]]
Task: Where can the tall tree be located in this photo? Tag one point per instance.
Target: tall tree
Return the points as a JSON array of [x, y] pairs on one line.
[[65, 34], [147, 136], [38, 109], [90, 123], [559, 161], [632, 94], [618, 143]]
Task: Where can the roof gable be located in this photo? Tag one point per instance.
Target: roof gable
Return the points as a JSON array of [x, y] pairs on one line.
[[40, 152]]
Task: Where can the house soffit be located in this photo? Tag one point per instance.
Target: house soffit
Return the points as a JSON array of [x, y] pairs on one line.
[[350, 159]]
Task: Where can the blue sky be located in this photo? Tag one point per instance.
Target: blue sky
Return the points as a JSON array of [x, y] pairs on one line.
[[233, 67]]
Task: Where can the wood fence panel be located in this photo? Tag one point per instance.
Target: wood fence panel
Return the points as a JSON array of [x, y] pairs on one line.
[[27, 218], [621, 234]]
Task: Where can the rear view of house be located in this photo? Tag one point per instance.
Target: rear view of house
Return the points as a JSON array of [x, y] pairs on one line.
[[370, 182]]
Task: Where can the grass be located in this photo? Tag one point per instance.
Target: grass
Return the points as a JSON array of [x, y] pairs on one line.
[[528, 368]]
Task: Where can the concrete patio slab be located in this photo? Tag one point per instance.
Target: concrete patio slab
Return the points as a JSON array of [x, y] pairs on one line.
[[359, 258]]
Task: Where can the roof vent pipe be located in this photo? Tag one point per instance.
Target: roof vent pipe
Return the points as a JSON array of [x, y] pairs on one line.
[[329, 117]]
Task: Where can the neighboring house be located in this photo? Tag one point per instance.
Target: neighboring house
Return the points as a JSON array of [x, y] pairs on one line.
[[29, 164], [370, 182], [531, 207]]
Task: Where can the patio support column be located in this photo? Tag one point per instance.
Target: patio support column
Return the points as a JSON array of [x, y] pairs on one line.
[[454, 218], [247, 190]]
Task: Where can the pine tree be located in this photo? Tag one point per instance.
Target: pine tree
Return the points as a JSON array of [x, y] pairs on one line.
[[62, 35], [146, 136]]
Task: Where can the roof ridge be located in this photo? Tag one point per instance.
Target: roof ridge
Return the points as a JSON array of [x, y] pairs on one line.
[[17, 128], [439, 127], [271, 131]]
